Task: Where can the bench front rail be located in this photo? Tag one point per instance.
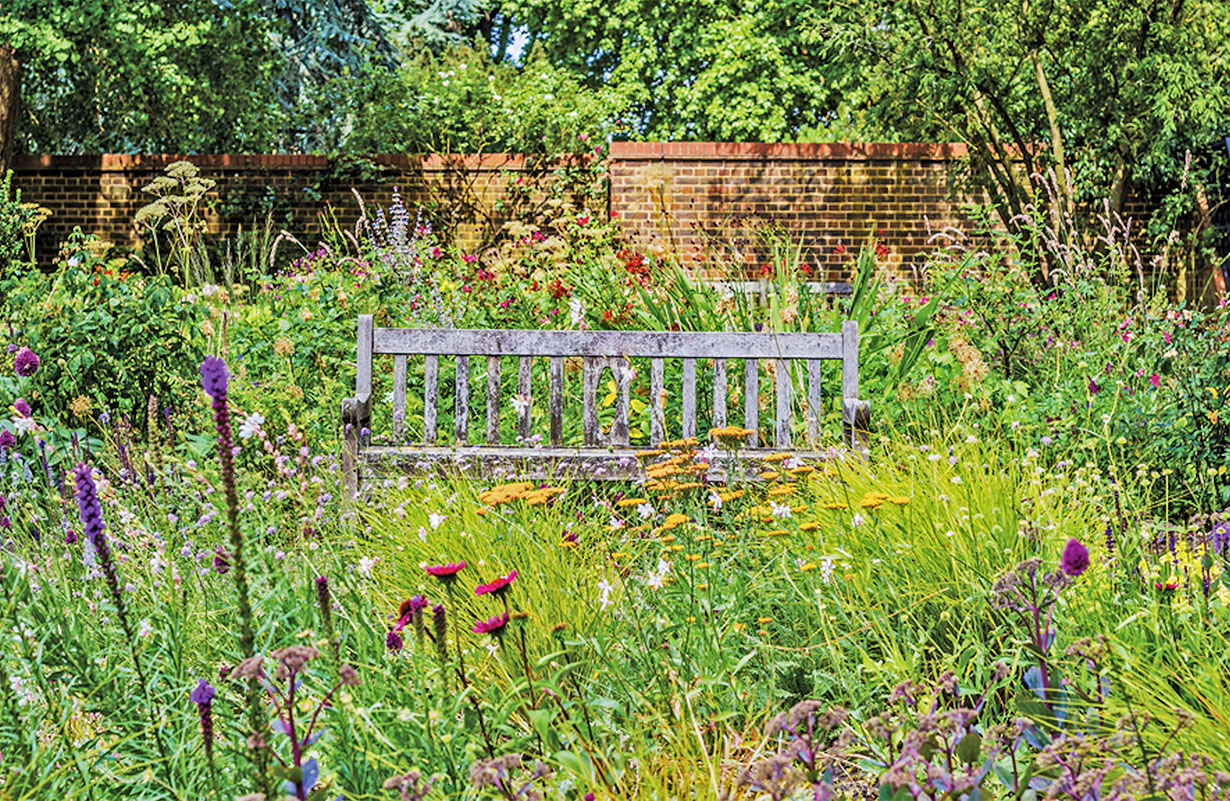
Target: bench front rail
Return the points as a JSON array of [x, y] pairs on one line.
[[599, 351]]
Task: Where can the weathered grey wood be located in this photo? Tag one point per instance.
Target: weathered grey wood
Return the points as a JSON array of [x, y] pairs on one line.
[[661, 344], [363, 360], [849, 359], [657, 402], [815, 402], [689, 398], [461, 412], [604, 454], [751, 400], [781, 432], [493, 400], [399, 397], [431, 397], [590, 371], [556, 401], [524, 389], [623, 386]]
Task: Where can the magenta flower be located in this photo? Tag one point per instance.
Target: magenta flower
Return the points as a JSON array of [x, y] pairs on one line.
[[7, 440], [496, 587], [25, 362], [1155, 380], [447, 572], [22, 407], [393, 642], [493, 626], [1075, 558]]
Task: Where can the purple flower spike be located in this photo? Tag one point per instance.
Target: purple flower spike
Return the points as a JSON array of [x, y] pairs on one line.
[[25, 362], [214, 377], [1075, 558], [203, 694], [393, 642]]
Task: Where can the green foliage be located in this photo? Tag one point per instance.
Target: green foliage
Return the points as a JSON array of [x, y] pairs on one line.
[[17, 224], [693, 70], [103, 334], [460, 101], [119, 76]]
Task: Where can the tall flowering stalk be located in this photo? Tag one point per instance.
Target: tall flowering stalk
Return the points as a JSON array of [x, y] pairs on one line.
[[95, 530], [203, 697], [214, 380]]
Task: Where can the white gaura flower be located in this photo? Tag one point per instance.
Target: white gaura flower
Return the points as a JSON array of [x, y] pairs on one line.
[[780, 510], [604, 590], [251, 425], [24, 425], [435, 518], [645, 511], [576, 311], [857, 520], [520, 403], [366, 564]]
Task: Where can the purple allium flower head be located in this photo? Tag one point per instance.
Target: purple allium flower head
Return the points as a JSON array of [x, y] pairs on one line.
[[70, 537], [203, 694], [393, 642], [214, 377], [7, 440], [1075, 558], [22, 407], [25, 362]]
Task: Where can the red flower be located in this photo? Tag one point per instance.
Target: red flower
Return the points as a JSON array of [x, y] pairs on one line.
[[493, 626], [766, 269], [840, 249], [496, 587], [881, 250]]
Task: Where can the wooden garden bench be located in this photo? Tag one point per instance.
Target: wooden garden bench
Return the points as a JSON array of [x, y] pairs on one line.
[[603, 453]]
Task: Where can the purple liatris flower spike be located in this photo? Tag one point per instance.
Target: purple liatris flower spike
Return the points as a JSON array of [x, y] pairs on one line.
[[203, 697], [1075, 558], [90, 510], [440, 627], [393, 642], [25, 362]]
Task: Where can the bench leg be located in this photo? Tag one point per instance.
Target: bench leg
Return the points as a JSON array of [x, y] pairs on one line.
[[856, 424], [350, 450]]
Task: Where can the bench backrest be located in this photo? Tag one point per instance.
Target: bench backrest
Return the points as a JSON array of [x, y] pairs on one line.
[[601, 350]]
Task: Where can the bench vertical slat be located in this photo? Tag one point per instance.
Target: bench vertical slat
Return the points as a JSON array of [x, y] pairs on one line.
[[557, 401], [689, 398], [623, 388], [523, 389], [657, 403], [815, 403], [493, 400], [751, 400], [363, 362], [849, 359], [591, 369], [781, 431], [399, 397], [431, 397], [719, 393], [462, 410]]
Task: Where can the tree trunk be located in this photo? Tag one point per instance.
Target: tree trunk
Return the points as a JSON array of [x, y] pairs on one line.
[[10, 104]]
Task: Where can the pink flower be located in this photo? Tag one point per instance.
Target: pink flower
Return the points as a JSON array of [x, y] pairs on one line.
[[496, 587], [445, 572], [493, 626], [1155, 380], [1166, 336]]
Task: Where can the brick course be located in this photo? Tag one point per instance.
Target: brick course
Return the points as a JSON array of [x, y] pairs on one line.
[[693, 197]]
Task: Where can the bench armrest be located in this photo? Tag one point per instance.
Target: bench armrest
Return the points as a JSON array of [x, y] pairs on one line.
[[357, 411]]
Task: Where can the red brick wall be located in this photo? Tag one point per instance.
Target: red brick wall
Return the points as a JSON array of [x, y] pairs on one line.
[[692, 197]]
